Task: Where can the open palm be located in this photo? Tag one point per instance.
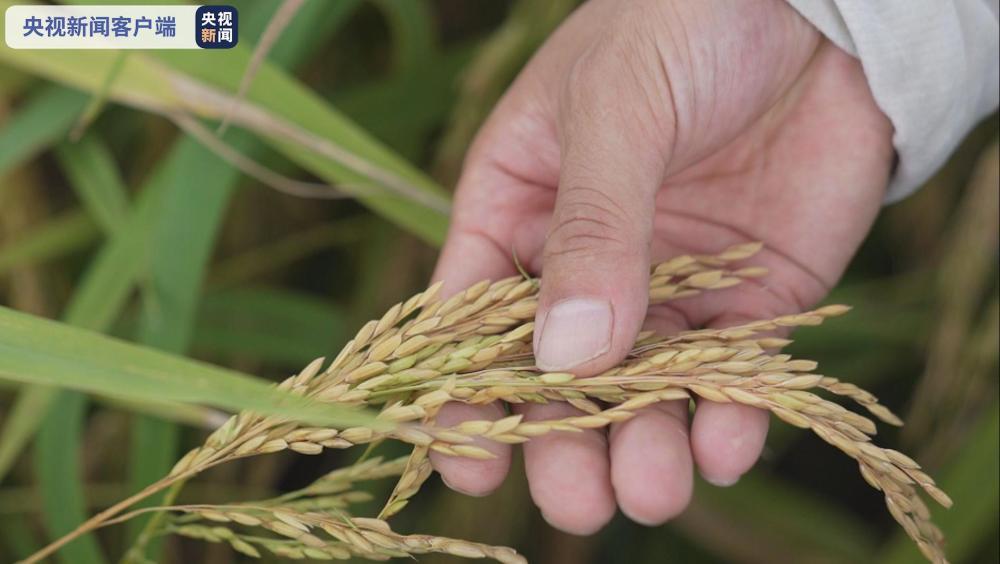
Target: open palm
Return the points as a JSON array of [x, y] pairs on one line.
[[640, 131]]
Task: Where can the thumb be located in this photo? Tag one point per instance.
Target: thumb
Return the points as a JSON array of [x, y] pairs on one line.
[[596, 258]]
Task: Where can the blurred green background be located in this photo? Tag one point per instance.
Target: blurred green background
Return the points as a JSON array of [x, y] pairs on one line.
[[119, 214]]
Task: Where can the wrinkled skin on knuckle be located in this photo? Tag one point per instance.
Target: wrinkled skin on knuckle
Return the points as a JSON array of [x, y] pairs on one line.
[[590, 225]]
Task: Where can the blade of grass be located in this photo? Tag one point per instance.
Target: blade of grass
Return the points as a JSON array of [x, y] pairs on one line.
[[99, 99], [183, 413], [182, 237], [271, 325], [381, 187], [108, 283], [105, 287], [63, 500], [93, 174], [45, 352], [56, 237], [113, 273], [192, 415], [19, 427], [18, 538], [95, 305], [413, 33], [45, 118], [404, 109], [259, 261]]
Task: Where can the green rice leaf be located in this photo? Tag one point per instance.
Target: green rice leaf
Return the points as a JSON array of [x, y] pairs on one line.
[[20, 426], [44, 352], [94, 175], [45, 118], [63, 500], [58, 236], [272, 325]]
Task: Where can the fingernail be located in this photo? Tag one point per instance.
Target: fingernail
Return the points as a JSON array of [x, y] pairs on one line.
[[722, 482], [460, 490], [574, 331]]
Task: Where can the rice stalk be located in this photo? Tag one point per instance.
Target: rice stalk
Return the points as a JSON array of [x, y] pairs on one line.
[[324, 536], [475, 348]]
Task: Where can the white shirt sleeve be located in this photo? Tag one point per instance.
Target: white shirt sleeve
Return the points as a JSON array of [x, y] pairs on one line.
[[932, 66]]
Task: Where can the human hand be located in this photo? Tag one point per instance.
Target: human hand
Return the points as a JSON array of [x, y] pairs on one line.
[[641, 130]]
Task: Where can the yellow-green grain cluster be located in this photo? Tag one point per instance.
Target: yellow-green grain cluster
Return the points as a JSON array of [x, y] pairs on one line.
[[475, 348]]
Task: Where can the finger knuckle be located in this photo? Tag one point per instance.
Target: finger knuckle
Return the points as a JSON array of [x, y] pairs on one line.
[[590, 224]]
